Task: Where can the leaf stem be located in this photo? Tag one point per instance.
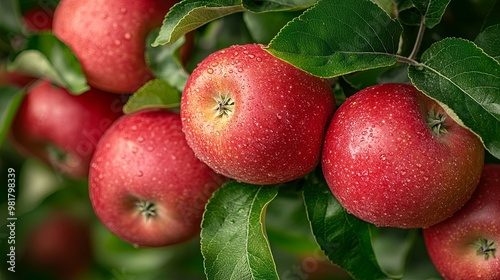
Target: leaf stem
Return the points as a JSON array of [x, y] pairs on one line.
[[407, 60], [418, 41]]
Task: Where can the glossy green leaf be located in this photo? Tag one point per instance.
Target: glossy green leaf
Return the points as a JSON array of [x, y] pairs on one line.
[[10, 100], [459, 74], [489, 41], [154, 94], [166, 63], [233, 239], [191, 14], [334, 38], [345, 239], [45, 56], [411, 12]]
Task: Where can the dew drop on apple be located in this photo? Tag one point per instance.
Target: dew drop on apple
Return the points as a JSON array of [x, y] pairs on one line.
[[127, 36], [210, 70], [139, 173], [123, 10], [140, 139], [118, 42]]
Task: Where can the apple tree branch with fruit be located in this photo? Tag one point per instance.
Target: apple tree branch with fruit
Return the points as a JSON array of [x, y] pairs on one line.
[[242, 139]]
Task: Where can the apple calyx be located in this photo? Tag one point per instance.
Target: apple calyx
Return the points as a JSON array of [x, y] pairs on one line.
[[224, 106], [146, 208], [436, 122], [485, 247]]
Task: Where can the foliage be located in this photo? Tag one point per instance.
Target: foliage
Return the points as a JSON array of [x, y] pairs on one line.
[[354, 43]]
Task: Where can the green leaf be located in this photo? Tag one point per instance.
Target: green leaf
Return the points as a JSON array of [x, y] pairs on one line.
[[459, 74], [10, 100], [154, 94], [166, 63], [233, 240], [45, 56], [411, 12], [489, 41], [334, 38], [345, 239], [188, 15]]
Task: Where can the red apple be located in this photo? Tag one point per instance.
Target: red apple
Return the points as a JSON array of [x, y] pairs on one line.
[[393, 157], [59, 246], [63, 129], [465, 246], [38, 19], [146, 185], [255, 118], [109, 38]]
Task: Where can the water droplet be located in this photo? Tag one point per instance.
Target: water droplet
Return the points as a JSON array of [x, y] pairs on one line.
[[134, 127], [118, 42], [150, 148], [259, 59], [251, 56], [215, 63], [140, 139], [235, 54], [123, 10], [240, 70], [127, 36], [278, 116], [139, 173], [382, 157], [210, 70]]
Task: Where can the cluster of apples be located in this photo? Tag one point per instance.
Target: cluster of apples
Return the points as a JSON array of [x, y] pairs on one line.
[[390, 155]]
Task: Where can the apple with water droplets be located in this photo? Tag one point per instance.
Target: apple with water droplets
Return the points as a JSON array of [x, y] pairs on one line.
[[145, 183], [394, 157], [109, 38], [63, 129], [466, 245], [255, 118]]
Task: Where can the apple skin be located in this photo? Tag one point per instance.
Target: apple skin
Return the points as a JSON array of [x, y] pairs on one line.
[[59, 246], [450, 242], [63, 129], [144, 158], [109, 38], [274, 131], [386, 166]]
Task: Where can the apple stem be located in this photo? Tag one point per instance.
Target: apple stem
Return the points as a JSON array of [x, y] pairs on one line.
[[436, 122], [486, 248], [146, 208], [224, 106]]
